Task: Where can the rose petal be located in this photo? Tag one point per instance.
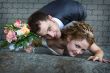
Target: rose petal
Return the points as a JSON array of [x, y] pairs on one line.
[[17, 23]]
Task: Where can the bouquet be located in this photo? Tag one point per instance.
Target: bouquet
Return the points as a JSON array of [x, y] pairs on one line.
[[19, 37]]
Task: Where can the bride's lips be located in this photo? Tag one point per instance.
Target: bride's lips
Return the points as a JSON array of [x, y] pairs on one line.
[[74, 53]]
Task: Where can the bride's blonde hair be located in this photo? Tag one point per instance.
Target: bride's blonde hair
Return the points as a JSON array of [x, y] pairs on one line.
[[79, 31]]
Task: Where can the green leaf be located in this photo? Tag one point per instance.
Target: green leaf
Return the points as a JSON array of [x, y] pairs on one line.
[[3, 44]]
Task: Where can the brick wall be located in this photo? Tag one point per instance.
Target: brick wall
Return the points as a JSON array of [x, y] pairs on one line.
[[98, 12], [98, 15]]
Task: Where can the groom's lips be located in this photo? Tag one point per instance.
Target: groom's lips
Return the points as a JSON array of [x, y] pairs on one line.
[[55, 35]]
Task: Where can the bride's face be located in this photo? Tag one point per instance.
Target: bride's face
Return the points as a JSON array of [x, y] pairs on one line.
[[76, 47]]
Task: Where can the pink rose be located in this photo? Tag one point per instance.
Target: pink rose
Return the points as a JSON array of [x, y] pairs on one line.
[[17, 23], [11, 36]]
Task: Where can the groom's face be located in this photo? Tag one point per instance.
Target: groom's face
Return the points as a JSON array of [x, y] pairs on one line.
[[49, 29]]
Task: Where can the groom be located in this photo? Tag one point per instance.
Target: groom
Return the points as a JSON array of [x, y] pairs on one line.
[[48, 20]]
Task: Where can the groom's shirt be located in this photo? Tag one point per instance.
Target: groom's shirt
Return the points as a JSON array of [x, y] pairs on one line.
[[59, 22]]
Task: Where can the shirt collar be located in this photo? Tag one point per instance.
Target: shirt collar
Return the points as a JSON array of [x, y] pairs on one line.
[[60, 24]]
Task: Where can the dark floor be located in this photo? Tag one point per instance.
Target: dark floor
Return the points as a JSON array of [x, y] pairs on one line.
[[42, 61]]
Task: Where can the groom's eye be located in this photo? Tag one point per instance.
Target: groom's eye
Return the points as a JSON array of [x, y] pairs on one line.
[[49, 28]]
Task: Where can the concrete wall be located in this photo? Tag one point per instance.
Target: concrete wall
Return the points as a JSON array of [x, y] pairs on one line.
[[98, 15]]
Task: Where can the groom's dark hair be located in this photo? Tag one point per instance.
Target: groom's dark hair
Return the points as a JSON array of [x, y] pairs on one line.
[[34, 20]]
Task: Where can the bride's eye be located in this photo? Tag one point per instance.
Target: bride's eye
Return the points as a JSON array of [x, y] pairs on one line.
[[77, 46]]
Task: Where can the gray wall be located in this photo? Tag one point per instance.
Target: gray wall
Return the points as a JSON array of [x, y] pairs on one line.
[[98, 15]]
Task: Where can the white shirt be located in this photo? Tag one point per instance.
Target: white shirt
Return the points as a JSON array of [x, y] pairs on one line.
[[60, 24]]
